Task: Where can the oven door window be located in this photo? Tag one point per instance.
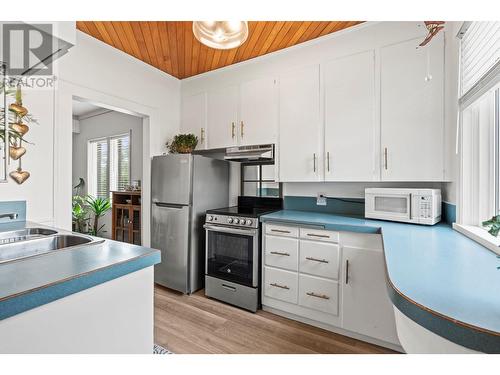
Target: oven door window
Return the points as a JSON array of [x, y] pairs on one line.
[[230, 256]]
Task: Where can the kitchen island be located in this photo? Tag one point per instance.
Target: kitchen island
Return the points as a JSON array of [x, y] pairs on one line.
[[445, 287], [95, 297]]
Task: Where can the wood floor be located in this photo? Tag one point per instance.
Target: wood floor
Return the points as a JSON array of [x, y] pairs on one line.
[[198, 325]]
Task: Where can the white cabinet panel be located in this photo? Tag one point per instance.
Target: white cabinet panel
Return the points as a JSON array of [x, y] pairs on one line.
[[412, 122], [350, 126], [366, 305], [319, 294], [222, 117], [281, 252], [194, 117], [319, 258], [282, 230], [300, 128], [279, 284], [258, 112], [319, 234]]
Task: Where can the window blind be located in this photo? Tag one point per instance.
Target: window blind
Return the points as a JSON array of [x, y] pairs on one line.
[[108, 165], [97, 169], [480, 52], [119, 162]]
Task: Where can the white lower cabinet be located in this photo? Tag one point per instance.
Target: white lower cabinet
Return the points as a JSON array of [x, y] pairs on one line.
[[365, 295], [335, 280], [319, 294], [280, 284]]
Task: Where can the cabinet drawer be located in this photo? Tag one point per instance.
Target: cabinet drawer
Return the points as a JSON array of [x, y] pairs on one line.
[[280, 284], [319, 259], [319, 294], [282, 230], [282, 252], [319, 235]]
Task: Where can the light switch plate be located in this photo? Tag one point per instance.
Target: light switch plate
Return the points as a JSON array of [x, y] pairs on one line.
[[321, 199]]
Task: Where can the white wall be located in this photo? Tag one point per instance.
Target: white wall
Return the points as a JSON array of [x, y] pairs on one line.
[[359, 38], [105, 125]]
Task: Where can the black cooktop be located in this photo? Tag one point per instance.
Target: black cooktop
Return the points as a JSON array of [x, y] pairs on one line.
[[250, 207]]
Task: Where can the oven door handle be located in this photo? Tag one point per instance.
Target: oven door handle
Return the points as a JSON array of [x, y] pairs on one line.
[[217, 228]]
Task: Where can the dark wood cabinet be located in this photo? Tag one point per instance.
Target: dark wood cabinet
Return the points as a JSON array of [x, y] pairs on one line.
[[126, 223]]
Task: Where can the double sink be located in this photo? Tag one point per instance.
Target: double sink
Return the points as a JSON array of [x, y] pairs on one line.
[[29, 242]]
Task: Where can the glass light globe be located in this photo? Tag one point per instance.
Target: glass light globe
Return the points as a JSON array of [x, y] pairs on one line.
[[221, 34]]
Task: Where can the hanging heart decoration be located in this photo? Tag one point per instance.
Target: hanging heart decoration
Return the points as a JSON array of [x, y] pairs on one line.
[[20, 128], [18, 109], [16, 152], [19, 175]]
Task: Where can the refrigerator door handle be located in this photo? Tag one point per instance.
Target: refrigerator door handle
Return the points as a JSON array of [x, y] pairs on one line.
[[170, 205]]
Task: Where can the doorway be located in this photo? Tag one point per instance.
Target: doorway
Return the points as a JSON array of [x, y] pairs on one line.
[[107, 171]]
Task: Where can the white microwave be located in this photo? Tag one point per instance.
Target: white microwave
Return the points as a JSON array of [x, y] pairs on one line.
[[417, 206]]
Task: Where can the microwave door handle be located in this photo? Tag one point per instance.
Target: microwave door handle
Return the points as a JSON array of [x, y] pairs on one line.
[[410, 210]]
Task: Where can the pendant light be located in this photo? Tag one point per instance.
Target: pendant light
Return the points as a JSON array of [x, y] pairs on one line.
[[221, 34]]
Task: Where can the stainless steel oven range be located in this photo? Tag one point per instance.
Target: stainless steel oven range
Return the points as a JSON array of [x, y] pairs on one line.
[[233, 252]]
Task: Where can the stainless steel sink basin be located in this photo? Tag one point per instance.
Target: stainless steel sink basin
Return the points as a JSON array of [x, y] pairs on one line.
[[24, 234], [23, 249]]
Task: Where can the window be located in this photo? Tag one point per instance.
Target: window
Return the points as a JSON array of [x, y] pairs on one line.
[[258, 181], [479, 193], [108, 167]]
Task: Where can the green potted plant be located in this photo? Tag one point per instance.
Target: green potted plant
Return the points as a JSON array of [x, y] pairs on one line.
[[183, 144], [80, 214], [493, 224], [98, 207]]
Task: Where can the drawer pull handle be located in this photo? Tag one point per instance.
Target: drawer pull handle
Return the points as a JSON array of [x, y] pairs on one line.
[[322, 296], [280, 253], [228, 287], [318, 235], [279, 286], [317, 260], [280, 231]]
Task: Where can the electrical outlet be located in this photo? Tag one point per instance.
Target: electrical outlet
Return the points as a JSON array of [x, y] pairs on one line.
[[321, 199]]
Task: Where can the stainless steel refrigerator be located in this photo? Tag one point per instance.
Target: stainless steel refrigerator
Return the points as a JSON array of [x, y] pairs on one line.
[[183, 187]]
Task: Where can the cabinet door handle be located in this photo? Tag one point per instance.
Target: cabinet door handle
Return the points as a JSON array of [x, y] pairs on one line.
[[322, 296], [280, 253], [241, 129], [385, 158], [314, 162], [318, 235], [347, 271], [202, 135], [280, 231], [279, 286], [232, 130], [328, 161], [317, 260]]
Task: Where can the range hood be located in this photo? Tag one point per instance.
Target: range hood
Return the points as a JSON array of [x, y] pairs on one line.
[[250, 154]]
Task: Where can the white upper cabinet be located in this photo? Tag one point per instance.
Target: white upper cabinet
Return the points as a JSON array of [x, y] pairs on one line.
[[350, 126], [300, 128], [412, 123], [194, 117], [222, 115], [258, 112]]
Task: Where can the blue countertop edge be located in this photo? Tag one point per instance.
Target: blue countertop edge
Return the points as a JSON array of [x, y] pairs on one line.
[[43, 295], [464, 334]]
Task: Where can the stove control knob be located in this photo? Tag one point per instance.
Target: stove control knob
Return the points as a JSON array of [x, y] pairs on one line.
[[249, 222], [236, 221], [230, 220], [210, 218]]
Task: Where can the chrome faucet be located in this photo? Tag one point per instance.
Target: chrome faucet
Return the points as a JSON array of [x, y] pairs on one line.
[[11, 216]]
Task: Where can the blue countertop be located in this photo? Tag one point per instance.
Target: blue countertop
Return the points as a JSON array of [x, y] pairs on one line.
[[31, 282], [439, 278]]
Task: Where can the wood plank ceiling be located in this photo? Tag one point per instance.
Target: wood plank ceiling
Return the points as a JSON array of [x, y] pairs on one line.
[[171, 46]]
